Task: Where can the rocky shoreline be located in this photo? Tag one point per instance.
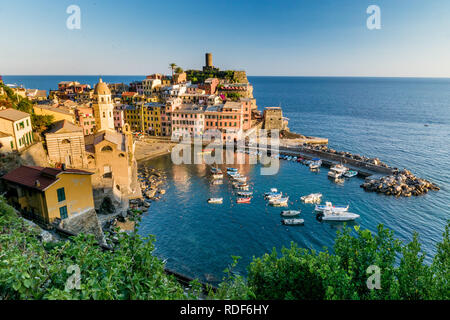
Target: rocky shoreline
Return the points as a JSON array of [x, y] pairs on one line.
[[401, 184]]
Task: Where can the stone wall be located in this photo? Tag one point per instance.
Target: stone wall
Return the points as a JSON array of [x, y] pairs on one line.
[[86, 222]]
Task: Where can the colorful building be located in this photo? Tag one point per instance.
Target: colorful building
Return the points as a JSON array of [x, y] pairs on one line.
[[85, 119], [45, 194], [17, 125]]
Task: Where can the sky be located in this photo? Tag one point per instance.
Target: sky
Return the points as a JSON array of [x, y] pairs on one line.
[[263, 37]]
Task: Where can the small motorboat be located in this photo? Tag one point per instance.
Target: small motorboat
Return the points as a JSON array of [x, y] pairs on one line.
[[244, 193], [217, 176], [337, 171], [215, 200], [329, 215], [329, 206], [312, 198], [350, 173], [272, 191], [292, 222], [274, 196], [240, 179], [217, 182], [282, 202], [232, 170], [315, 164], [215, 170], [243, 200], [290, 213]]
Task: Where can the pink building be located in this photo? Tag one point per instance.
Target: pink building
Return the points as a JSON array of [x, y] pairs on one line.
[[166, 115], [119, 117], [86, 120], [188, 121]]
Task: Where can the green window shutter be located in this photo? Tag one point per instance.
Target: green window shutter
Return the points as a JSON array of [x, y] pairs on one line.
[[61, 194], [63, 212]]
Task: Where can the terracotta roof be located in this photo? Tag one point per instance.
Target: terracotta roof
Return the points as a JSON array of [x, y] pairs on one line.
[[29, 175], [129, 94], [64, 126], [13, 114]]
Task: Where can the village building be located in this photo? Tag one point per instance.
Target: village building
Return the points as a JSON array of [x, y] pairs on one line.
[[46, 194], [36, 95], [58, 112], [65, 144], [85, 119], [15, 129], [273, 119]]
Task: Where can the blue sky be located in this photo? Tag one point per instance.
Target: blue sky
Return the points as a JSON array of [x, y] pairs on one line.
[[263, 37]]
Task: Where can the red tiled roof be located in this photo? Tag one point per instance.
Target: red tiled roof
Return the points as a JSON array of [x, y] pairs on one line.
[[28, 175], [128, 94]]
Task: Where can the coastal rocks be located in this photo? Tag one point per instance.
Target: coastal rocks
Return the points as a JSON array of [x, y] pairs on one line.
[[401, 184], [151, 181]]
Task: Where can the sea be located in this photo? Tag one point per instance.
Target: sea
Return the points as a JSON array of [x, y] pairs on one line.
[[405, 122]]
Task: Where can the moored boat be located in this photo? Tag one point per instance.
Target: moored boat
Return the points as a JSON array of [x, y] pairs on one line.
[[217, 176], [244, 193], [243, 200], [312, 198], [290, 213], [350, 173], [232, 170], [215, 200], [329, 206], [292, 221], [337, 171], [281, 202], [329, 215]]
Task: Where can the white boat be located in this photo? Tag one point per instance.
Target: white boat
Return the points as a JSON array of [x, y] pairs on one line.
[[337, 170], [282, 202], [292, 221], [329, 215], [215, 200], [350, 173], [217, 176], [312, 198], [217, 182], [290, 213], [244, 193], [274, 196], [272, 191], [330, 207], [240, 179]]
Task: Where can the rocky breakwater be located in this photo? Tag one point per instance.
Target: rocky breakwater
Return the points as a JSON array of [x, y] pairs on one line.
[[151, 182], [401, 184]]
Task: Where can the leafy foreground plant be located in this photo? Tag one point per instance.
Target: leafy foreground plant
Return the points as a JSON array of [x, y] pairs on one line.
[[306, 274], [30, 269]]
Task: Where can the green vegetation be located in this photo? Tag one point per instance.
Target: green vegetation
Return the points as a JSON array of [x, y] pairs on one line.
[[199, 76], [30, 269], [40, 123]]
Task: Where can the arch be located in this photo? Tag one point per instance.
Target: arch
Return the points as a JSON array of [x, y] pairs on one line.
[[107, 149], [90, 157], [121, 155], [65, 141]]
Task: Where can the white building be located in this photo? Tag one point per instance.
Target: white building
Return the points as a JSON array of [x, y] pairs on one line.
[[103, 107], [17, 125]]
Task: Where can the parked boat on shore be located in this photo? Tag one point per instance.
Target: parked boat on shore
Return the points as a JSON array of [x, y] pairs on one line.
[[290, 213], [292, 222], [329, 206], [312, 198]]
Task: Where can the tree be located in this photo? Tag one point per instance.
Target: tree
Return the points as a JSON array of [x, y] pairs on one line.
[[178, 70], [172, 66]]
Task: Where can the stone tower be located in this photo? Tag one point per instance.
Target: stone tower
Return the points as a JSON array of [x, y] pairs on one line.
[[103, 107], [208, 60]]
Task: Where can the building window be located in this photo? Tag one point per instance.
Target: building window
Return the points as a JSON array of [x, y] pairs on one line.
[[61, 194], [63, 212]]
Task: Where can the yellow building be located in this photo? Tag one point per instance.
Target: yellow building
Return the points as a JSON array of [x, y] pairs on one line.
[[58, 113], [144, 118], [45, 194]]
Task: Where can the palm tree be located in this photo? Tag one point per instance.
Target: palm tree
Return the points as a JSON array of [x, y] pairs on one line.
[[172, 66]]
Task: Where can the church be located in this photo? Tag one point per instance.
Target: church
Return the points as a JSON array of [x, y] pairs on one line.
[[107, 153]]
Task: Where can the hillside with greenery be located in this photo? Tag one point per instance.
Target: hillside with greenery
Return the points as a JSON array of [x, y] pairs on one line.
[[30, 269], [12, 100]]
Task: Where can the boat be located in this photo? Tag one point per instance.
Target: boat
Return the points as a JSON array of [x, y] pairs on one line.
[[240, 179], [243, 200], [329, 206], [290, 213], [315, 164], [215, 200], [272, 190], [217, 182], [217, 176], [312, 198], [274, 196], [329, 215], [336, 171], [292, 222], [244, 193], [232, 170], [350, 173], [281, 202], [215, 170], [242, 186]]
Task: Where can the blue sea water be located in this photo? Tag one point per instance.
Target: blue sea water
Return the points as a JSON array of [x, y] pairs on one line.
[[404, 122]]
